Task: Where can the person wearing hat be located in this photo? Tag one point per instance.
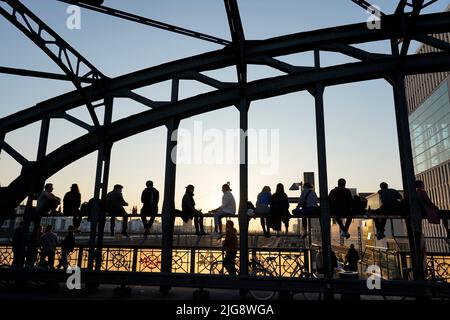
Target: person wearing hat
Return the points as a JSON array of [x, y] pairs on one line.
[[114, 207], [228, 207], [188, 207], [149, 199]]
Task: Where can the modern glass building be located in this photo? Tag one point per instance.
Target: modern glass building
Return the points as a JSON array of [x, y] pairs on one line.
[[429, 125], [428, 97]]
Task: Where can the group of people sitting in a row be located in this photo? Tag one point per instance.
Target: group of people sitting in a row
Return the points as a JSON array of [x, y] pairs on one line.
[[273, 209]]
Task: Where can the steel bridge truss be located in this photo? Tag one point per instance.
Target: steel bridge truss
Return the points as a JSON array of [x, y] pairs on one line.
[[94, 89]]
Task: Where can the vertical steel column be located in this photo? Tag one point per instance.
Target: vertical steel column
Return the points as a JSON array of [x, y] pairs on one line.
[[104, 183], [323, 177], [101, 187], [36, 187], [243, 186], [167, 216], [414, 222]]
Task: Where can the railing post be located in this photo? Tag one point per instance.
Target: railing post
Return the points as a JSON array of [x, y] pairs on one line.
[[306, 263], [135, 255], [193, 261], [80, 256], [323, 177]]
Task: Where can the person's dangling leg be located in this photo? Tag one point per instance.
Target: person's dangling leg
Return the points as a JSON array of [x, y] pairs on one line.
[[125, 224], [112, 224], [445, 222], [196, 225], [304, 227], [200, 223], [144, 220], [341, 225], [263, 225]]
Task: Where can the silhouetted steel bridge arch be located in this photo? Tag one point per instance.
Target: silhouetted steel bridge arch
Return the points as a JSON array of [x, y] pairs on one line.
[[399, 28]]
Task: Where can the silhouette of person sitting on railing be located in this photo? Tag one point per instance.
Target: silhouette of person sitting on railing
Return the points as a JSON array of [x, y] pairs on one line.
[[228, 207], [188, 207], [307, 206], [391, 203], [71, 206], [114, 207], [341, 200], [263, 209], [428, 209], [149, 199], [279, 210]]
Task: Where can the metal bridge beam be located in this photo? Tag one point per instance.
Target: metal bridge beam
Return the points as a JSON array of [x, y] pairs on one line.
[[259, 89], [74, 65], [300, 42], [39, 74], [149, 22]]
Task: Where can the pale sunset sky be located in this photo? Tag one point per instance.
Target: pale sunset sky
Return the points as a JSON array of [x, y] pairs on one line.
[[360, 123]]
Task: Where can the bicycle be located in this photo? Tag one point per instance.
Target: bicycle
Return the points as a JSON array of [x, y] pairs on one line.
[[259, 270]]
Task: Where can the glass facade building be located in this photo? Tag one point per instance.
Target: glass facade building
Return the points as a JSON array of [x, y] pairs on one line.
[[429, 125]]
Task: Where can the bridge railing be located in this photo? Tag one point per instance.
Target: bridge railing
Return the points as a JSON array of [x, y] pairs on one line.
[[279, 261]]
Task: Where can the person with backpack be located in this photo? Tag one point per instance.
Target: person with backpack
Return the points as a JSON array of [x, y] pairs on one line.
[[71, 206], [67, 246], [149, 199], [307, 206]]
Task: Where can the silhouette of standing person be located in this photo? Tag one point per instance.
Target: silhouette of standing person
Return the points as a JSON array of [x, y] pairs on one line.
[[49, 241], [230, 247], [67, 246], [19, 245], [71, 206], [352, 259], [46, 203], [114, 207], [149, 199]]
